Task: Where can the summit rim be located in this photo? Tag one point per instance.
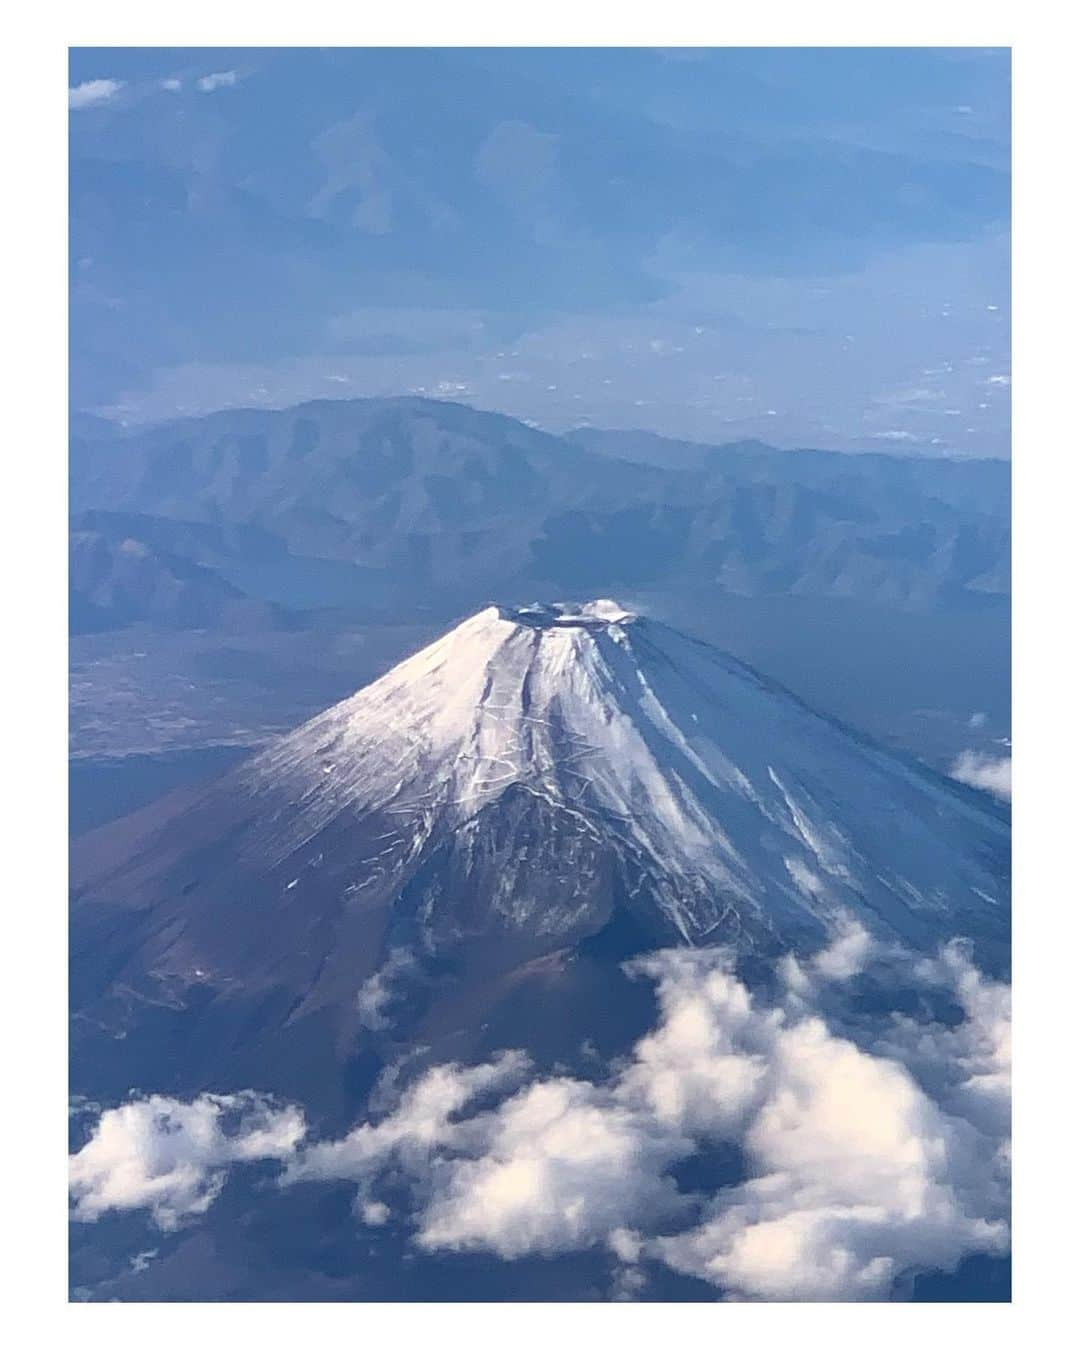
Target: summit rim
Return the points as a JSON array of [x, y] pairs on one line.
[[600, 613]]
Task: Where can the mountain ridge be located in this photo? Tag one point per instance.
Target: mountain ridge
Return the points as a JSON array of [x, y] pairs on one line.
[[464, 504]]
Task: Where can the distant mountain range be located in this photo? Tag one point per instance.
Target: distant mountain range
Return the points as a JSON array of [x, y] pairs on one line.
[[432, 499], [125, 569]]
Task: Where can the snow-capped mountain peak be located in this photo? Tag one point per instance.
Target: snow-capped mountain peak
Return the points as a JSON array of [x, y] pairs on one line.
[[721, 804], [496, 823]]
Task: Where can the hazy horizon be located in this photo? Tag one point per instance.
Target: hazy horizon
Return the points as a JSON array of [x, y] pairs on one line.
[[804, 246]]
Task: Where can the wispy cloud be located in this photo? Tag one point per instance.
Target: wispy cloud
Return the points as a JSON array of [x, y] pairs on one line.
[[93, 92], [219, 79], [378, 991]]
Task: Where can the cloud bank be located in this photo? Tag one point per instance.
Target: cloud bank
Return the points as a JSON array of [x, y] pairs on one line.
[[872, 1142]]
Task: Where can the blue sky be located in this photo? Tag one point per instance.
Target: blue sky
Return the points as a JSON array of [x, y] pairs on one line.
[[810, 246]]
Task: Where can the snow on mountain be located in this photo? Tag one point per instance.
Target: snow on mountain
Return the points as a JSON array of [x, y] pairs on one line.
[[731, 807]]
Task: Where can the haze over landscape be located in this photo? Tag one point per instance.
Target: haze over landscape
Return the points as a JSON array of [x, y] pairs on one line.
[[809, 247]]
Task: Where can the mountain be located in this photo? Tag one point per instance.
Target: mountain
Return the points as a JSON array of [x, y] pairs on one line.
[[494, 824], [432, 490], [908, 531], [641, 447], [205, 544], [977, 485], [125, 569], [113, 583], [466, 505]]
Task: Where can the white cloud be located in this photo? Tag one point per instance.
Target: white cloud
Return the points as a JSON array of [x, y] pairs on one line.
[[856, 1170], [172, 86], [984, 771], [852, 1182], [968, 1067], [563, 1165], [93, 92], [409, 1135], [220, 79], [871, 1148], [846, 955], [376, 993], [172, 1157], [701, 1069], [872, 1142]]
